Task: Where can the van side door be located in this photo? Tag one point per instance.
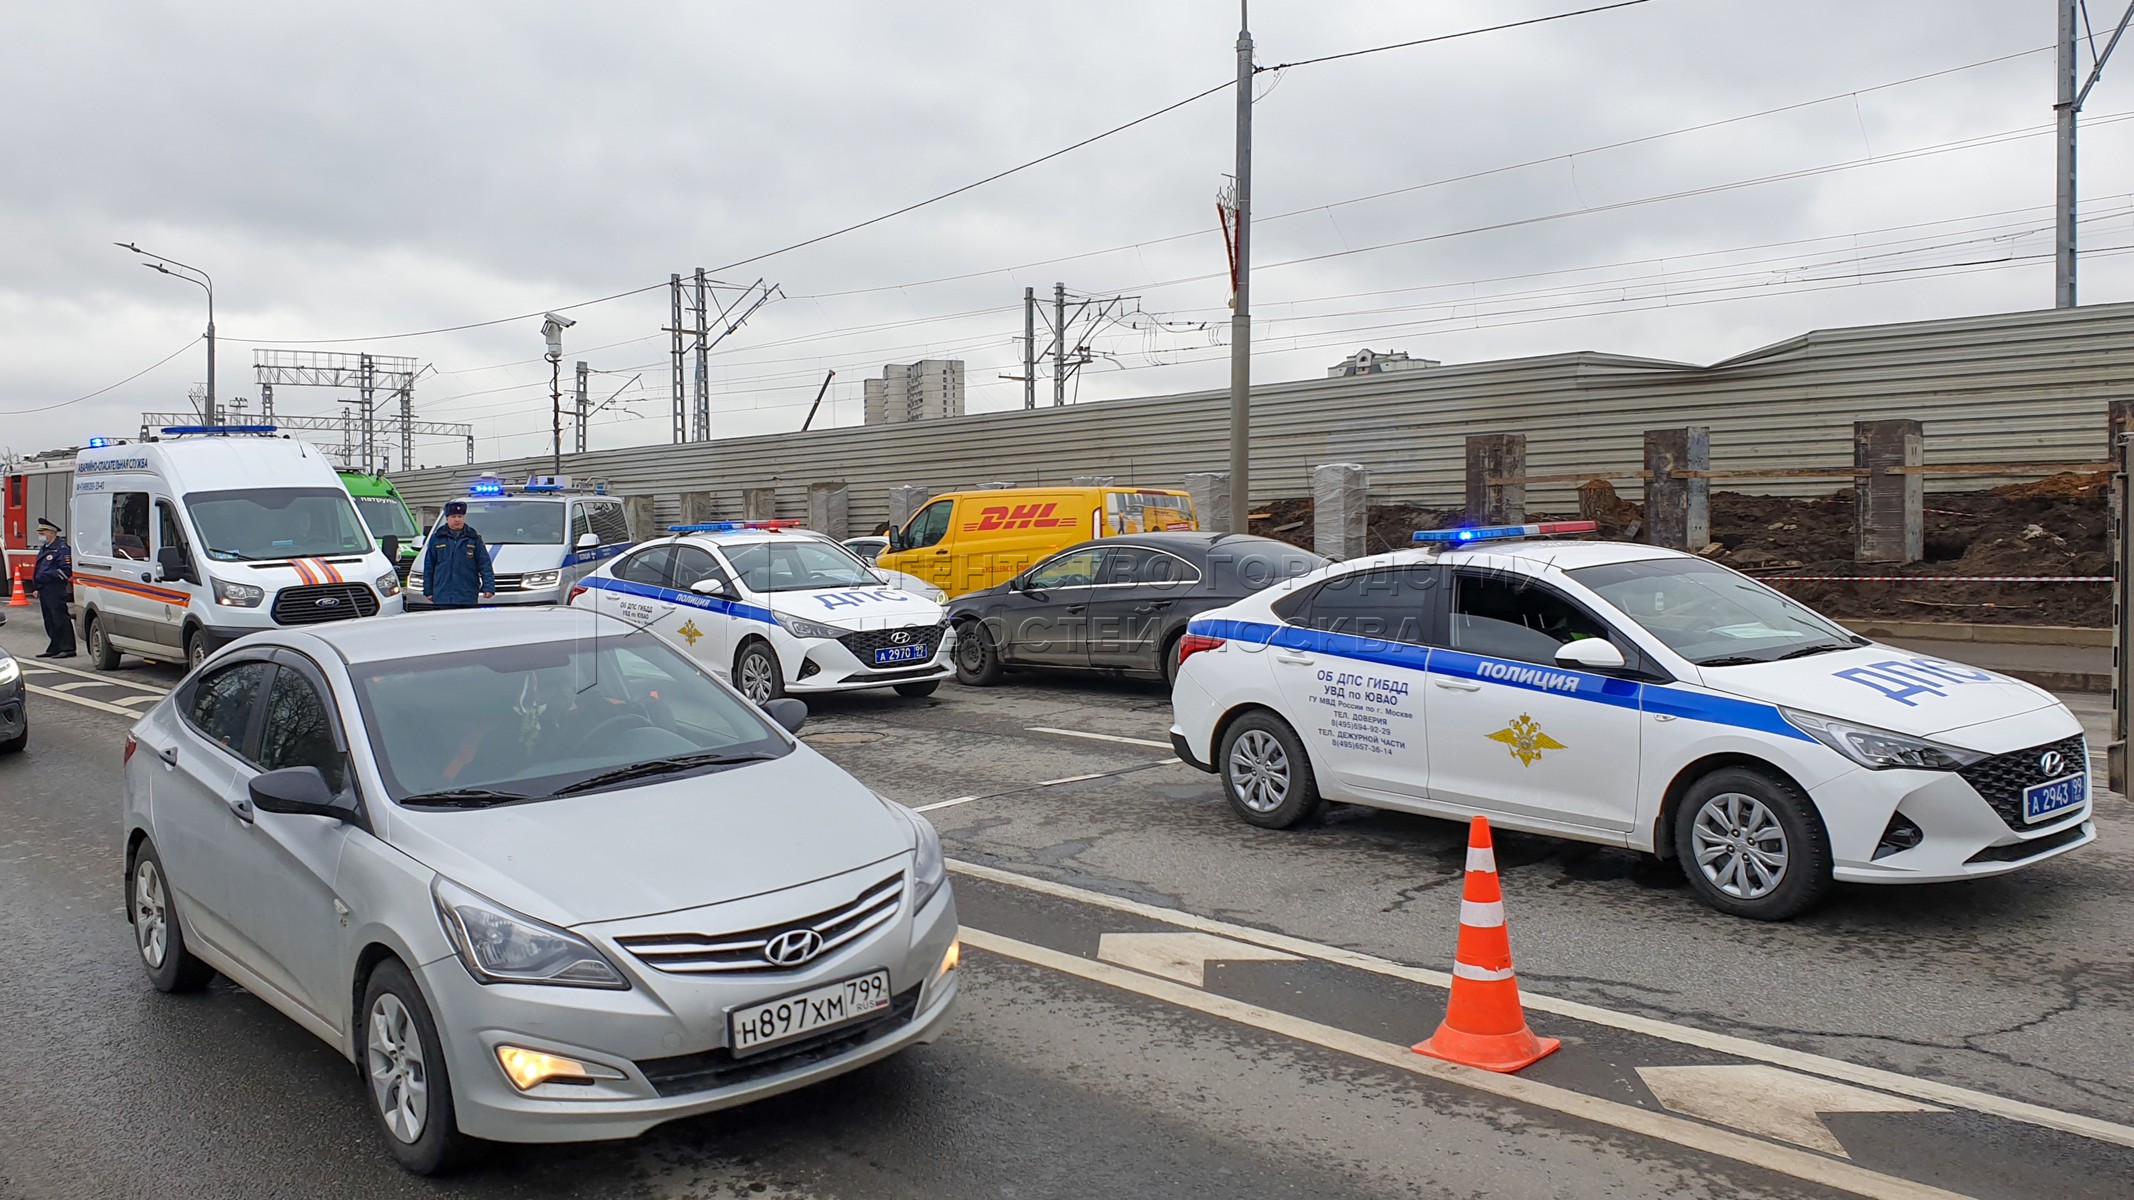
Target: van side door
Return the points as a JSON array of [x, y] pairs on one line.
[[130, 606], [179, 575]]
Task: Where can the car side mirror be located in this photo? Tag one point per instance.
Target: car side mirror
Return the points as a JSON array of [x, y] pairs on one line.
[[588, 541], [884, 576], [1015, 583], [1592, 654], [790, 714], [390, 543], [171, 560], [713, 586], [300, 791]]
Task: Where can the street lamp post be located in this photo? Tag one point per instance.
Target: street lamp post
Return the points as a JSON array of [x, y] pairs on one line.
[[205, 283], [552, 327]]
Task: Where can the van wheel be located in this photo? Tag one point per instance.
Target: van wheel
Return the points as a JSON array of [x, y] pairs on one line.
[[1266, 775], [102, 654], [195, 649], [977, 657], [756, 673], [1752, 845]]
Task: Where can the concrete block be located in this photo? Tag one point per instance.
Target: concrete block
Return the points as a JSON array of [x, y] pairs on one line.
[[829, 509], [1341, 501], [695, 509], [1211, 499], [759, 504], [1678, 511], [1093, 480], [637, 513], [1890, 510], [1496, 456], [904, 501]]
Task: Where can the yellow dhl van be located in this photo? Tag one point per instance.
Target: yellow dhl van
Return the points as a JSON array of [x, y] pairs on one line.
[[964, 541]]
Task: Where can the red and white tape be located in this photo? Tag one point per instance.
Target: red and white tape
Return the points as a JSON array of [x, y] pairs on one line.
[[1934, 578]]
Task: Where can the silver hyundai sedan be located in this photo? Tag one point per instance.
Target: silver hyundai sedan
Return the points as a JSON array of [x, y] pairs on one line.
[[539, 877]]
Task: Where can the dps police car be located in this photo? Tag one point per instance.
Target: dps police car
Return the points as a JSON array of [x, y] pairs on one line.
[[542, 538], [1631, 696], [779, 609]]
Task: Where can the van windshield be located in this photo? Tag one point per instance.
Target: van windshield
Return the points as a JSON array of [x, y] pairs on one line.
[[269, 523], [386, 516], [517, 522]]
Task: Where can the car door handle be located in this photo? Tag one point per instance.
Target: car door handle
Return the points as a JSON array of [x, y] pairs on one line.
[[1075, 608], [242, 806], [1154, 606], [1456, 685], [169, 754], [1300, 660]]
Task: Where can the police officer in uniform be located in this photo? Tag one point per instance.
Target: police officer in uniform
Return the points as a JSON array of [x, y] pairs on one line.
[[455, 565], [53, 581]]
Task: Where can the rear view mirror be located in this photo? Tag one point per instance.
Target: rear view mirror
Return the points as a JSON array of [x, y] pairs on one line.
[[390, 543], [588, 541], [1015, 584], [1592, 654], [790, 714], [171, 559], [885, 577], [711, 587], [300, 791]]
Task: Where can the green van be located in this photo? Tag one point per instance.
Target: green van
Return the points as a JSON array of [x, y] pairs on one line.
[[378, 502]]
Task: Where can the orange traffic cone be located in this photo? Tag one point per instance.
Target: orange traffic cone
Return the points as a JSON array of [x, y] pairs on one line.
[[20, 592], [1484, 1025]]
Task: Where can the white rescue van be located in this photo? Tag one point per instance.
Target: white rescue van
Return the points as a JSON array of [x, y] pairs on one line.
[[188, 541]]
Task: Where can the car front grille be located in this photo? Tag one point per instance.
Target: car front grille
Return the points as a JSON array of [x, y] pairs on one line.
[[2002, 778], [864, 643], [687, 1073], [324, 602], [742, 952]]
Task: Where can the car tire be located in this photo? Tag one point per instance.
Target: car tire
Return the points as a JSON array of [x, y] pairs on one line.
[[196, 651], [977, 656], [1266, 774], [918, 691], [402, 1063], [1752, 845], [157, 933], [757, 674], [1170, 658], [18, 743], [102, 654]]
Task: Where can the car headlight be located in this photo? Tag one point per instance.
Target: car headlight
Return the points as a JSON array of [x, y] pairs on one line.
[[501, 946], [1879, 749], [540, 579], [929, 871], [238, 595], [808, 629], [388, 585], [10, 670]]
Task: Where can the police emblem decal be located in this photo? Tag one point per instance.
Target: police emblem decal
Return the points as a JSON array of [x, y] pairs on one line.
[[1525, 739]]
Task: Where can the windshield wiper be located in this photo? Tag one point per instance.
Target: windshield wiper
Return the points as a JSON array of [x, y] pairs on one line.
[[463, 798], [1731, 660], [230, 555], [1805, 651], [662, 766]]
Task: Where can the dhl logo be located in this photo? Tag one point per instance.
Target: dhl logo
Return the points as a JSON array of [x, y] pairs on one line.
[[1022, 516]]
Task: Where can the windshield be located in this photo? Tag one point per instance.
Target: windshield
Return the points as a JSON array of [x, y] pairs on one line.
[[267, 523], [530, 719], [386, 516], [798, 565], [516, 522], [1710, 615]]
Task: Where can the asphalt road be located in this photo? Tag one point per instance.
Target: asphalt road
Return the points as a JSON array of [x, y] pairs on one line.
[[1162, 1001]]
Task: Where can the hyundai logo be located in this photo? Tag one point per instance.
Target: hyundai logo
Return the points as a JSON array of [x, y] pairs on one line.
[[328, 602], [900, 637], [793, 947], [2051, 762]]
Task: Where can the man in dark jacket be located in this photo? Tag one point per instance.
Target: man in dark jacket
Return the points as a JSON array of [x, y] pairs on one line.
[[53, 581], [455, 565]]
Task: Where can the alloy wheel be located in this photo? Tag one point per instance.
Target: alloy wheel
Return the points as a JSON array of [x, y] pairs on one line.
[[756, 676], [399, 1079], [1259, 770], [151, 914], [1740, 845]]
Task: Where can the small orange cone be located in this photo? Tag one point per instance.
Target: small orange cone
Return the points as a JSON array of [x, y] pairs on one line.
[[1484, 1025], [20, 594]]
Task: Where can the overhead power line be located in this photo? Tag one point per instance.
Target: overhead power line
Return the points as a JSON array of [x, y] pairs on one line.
[[16, 412], [1446, 37]]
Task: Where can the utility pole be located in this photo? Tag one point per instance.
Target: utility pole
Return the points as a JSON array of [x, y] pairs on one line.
[[819, 393], [1059, 344], [1241, 302], [703, 397], [583, 369], [552, 327], [1029, 347], [367, 392], [2072, 91], [674, 327]]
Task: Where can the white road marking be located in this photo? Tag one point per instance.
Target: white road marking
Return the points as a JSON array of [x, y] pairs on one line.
[[1180, 956], [132, 700], [1813, 1064], [1099, 737], [77, 685], [1161, 762], [102, 677], [945, 803], [84, 701], [1692, 1135], [1769, 1102]]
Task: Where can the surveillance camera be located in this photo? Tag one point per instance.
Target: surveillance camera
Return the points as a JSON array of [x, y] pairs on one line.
[[565, 322]]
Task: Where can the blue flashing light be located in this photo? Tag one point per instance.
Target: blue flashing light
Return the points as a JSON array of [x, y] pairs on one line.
[[1498, 533], [542, 487], [98, 443], [218, 429], [709, 527], [485, 489]]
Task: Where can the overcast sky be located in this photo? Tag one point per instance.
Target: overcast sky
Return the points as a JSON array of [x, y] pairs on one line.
[[353, 172]]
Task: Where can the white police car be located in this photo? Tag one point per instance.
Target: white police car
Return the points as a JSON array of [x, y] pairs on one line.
[[780, 609], [1631, 696]]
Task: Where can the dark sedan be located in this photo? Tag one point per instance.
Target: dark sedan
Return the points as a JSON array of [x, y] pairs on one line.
[[1117, 605]]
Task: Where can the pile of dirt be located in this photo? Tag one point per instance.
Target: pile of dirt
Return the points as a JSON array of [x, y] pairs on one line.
[[2053, 527]]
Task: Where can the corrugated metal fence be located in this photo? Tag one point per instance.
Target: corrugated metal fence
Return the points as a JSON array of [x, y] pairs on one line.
[[2018, 387]]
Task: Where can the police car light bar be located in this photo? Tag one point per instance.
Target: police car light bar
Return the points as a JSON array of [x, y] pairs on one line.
[[218, 429], [731, 526], [486, 487], [1498, 533], [98, 443]]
